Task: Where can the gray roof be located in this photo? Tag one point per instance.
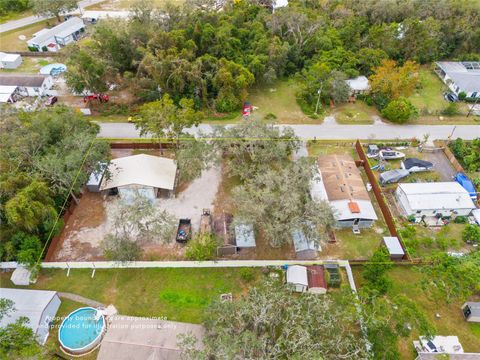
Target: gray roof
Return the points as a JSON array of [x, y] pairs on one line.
[[393, 245], [62, 30], [474, 307], [393, 176], [28, 303], [244, 235], [22, 80], [465, 75], [301, 243]]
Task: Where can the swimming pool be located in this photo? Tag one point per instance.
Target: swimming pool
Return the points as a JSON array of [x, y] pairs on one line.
[[81, 330]]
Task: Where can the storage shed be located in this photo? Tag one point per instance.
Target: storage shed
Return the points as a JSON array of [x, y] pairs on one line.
[[297, 278], [38, 306], [147, 175], [316, 279], [305, 248], [95, 180], [244, 236], [10, 61], [471, 311], [394, 247]]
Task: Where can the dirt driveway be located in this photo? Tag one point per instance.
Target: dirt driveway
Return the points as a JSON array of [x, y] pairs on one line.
[[440, 164]]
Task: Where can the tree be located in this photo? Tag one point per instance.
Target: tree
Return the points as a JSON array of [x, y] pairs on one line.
[[369, 59], [277, 202], [193, 156], [118, 247], [30, 249], [51, 8], [270, 323], [471, 234], [202, 247], [375, 271], [391, 81], [400, 110]]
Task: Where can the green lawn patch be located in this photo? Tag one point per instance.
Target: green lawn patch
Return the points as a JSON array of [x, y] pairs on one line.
[[9, 40], [15, 16], [357, 113], [177, 294]]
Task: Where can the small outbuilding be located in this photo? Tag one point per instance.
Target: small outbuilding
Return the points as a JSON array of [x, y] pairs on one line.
[[316, 279], [358, 85], [297, 278], [244, 236], [146, 175], [471, 311], [10, 61], [38, 306], [305, 248], [95, 180], [394, 247]]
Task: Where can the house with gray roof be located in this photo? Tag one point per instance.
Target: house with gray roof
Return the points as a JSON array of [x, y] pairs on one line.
[[27, 85], [53, 39], [461, 76]]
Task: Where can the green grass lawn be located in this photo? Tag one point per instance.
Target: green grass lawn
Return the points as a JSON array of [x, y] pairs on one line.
[[357, 113], [30, 65], [406, 281], [9, 40], [15, 16], [177, 294]]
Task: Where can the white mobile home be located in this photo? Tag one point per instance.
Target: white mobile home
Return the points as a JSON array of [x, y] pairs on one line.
[[38, 306], [460, 76], [440, 199], [28, 85], [10, 61], [63, 34]]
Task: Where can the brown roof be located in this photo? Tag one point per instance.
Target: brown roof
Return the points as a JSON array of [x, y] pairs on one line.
[[341, 178], [316, 277], [22, 80]]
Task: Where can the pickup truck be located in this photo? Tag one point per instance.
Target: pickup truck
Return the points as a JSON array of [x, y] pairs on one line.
[[184, 230]]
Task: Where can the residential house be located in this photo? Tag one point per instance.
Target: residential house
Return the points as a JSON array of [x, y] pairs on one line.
[[460, 76], [442, 347], [10, 61], [434, 200], [27, 85], [146, 175], [358, 85], [55, 38], [341, 184], [38, 306], [471, 311]]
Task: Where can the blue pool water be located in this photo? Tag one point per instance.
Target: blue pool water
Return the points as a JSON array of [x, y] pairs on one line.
[[80, 328]]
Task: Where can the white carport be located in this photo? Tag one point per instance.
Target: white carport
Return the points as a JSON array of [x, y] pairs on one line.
[[140, 174], [297, 278]]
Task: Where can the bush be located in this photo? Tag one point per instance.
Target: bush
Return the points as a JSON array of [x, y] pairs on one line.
[[30, 249], [461, 220], [400, 111], [202, 247], [471, 234], [247, 274], [451, 110], [462, 95], [270, 116]]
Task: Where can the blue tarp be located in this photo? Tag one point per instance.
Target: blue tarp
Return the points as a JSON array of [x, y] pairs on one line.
[[53, 69], [467, 184]]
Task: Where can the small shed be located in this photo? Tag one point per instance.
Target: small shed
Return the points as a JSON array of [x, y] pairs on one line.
[[10, 61], [96, 177], [358, 85], [297, 278], [394, 247], [305, 248], [316, 279], [471, 311], [38, 306], [244, 236], [21, 276]]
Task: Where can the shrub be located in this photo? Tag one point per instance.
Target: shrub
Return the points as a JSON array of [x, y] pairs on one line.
[[247, 274], [400, 111], [461, 220], [202, 247], [270, 116], [451, 110], [462, 95], [471, 234], [30, 249]]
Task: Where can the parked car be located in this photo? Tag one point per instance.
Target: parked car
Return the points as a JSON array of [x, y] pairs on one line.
[[51, 100], [386, 154], [100, 97], [416, 165], [393, 176], [247, 109], [450, 96]]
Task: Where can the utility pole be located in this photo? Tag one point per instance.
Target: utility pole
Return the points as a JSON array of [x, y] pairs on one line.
[[318, 100]]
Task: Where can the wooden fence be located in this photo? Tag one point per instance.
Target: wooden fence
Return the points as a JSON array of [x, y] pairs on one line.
[[387, 215], [449, 154]]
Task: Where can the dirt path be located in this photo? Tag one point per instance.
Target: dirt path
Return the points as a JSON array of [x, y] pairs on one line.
[[81, 299]]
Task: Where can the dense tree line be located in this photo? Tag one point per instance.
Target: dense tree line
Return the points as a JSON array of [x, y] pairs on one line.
[[213, 57], [46, 157]]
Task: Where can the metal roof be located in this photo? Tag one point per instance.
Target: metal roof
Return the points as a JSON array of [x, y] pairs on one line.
[[297, 274], [64, 29], [436, 196], [474, 307], [343, 211], [28, 303], [22, 80], [465, 75], [358, 84], [244, 235], [393, 245], [301, 243], [142, 169], [9, 57]]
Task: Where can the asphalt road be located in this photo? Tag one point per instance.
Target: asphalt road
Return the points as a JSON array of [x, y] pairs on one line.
[[15, 24], [330, 131]]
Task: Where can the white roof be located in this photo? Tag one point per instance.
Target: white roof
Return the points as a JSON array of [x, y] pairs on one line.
[[244, 235], [342, 210], [142, 169], [476, 215], [28, 303], [393, 245], [279, 3], [93, 14], [4, 97], [297, 274], [64, 29], [21, 276], [445, 344], [301, 243], [359, 83], [7, 89], [317, 187], [8, 57], [436, 196]]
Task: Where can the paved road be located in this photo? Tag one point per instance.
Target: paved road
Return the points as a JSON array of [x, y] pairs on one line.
[[15, 24], [330, 131]]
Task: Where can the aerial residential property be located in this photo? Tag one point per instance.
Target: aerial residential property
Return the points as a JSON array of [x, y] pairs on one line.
[[239, 179]]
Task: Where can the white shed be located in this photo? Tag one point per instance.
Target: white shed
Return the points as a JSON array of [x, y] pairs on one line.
[[141, 174], [38, 306], [394, 247], [10, 61], [297, 278], [358, 85]]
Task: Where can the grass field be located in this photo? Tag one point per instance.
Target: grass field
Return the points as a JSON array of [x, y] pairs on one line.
[[9, 40], [126, 4], [30, 65], [357, 113], [15, 16], [406, 281], [177, 294]]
